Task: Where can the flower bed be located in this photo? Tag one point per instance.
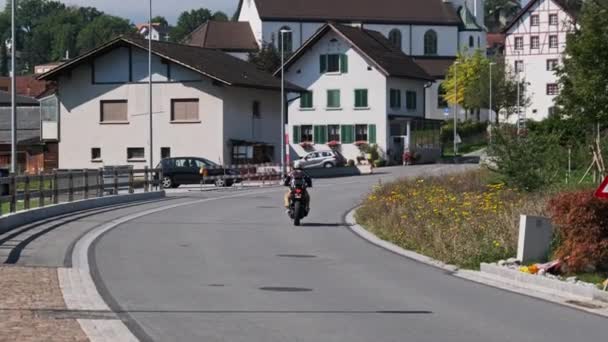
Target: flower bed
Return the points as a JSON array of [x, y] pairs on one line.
[[459, 220]]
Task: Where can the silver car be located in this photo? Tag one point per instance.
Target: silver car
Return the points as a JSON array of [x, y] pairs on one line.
[[320, 159]]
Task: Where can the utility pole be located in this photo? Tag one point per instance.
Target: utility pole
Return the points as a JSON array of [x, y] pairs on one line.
[[456, 108], [283, 140], [13, 91], [491, 114], [150, 86], [518, 71]]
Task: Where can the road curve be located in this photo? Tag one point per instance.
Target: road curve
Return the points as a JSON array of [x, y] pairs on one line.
[[235, 270]]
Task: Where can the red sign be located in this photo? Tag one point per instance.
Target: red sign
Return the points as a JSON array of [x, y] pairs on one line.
[[602, 192]]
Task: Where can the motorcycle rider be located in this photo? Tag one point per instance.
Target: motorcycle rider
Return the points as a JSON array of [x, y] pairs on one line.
[[297, 173]]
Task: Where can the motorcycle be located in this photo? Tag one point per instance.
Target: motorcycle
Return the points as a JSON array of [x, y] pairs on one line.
[[297, 202]]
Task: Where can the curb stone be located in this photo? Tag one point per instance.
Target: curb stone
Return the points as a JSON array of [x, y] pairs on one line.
[[511, 284]]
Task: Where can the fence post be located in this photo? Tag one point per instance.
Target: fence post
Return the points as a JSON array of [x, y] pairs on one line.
[[86, 184], [100, 184], [41, 190], [70, 186], [131, 189], [55, 187], [115, 181], [146, 179], [26, 198], [13, 193]]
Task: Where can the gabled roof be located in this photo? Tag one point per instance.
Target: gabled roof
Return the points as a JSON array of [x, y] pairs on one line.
[[373, 46], [435, 66], [435, 12], [469, 22], [563, 4], [214, 64], [223, 35]]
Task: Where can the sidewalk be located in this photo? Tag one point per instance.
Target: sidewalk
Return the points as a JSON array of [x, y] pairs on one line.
[[31, 307]]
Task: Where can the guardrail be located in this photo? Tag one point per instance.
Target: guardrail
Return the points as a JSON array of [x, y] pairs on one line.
[[63, 186], [249, 173]]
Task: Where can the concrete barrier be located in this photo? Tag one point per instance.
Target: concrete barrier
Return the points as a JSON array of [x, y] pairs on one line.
[[339, 171], [18, 219]]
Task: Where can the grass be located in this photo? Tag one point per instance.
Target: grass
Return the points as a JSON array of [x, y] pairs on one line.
[[21, 205], [596, 278], [448, 151], [463, 220]]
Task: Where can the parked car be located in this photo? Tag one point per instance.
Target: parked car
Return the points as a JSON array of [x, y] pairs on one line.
[[320, 159], [186, 170]]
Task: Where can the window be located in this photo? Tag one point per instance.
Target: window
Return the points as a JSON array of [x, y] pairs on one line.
[[96, 154], [395, 98], [165, 152], [534, 20], [334, 63], [360, 132], [553, 42], [519, 66], [184, 110], [471, 41], [114, 111], [552, 89], [534, 42], [552, 64], [347, 134], [519, 43], [410, 100], [395, 37], [430, 42], [320, 135], [306, 100], [135, 154], [441, 93], [553, 19], [361, 98], [333, 98], [552, 111], [285, 40], [306, 133], [255, 110], [333, 133]]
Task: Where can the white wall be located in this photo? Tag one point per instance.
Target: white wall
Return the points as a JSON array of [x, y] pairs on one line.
[[447, 40], [305, 73], [406, 85], [386, 29], [249, 13], [535, 60]]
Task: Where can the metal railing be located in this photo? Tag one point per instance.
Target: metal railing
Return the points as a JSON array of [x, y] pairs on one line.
[[61, 186], [262, 174]]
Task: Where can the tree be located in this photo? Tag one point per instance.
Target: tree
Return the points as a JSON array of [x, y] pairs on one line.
[[267, 59], [100, 30], [159, 19], [468, 84], [188, 21], [499, 13], [583, 77]]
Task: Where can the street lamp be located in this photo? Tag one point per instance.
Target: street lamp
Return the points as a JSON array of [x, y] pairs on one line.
[[282, 32], [150, 86], [455, 108], [13, 91], [491, 114], [518, 72]]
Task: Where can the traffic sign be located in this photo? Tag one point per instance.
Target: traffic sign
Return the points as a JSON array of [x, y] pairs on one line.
[[446, 111], [602, 191]]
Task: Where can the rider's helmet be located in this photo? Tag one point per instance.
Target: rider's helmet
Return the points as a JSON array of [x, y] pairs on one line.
[[297, 165]]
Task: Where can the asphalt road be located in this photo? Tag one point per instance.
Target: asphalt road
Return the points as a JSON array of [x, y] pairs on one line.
[[235, 269]]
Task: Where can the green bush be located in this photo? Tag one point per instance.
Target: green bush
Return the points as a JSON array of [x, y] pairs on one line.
[[529, 162], [468, 131]]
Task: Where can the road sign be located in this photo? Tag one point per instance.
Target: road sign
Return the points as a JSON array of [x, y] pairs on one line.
[[446, 111], [602, 191]]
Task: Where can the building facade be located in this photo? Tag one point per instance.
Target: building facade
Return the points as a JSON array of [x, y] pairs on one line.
[[205, 104], [534, 43], [433, 32], [360, 91]]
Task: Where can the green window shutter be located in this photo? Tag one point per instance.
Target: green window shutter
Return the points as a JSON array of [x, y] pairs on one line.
[[323, 63], [357, 98], [361, 98], [411, 100], [317, 135], [371, 134], [344, 63], [296, 135], [306, 100], [347, 134], [323, 134], [333, 99]]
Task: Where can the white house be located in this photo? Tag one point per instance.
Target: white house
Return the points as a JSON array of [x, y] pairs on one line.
[[205, 104], [361, 89], [159, 31], [430, 31], [535, 41]]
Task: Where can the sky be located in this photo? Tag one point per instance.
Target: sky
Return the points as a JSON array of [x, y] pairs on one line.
[[137, 10]]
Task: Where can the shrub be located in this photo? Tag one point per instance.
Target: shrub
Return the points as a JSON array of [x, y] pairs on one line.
[[351, 163], [529, 162], [582, 227]]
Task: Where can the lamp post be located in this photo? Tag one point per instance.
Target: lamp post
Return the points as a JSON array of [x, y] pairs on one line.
[[150, 86], [518, 72], [282, 32], [492, 115], [456, 108], [13, 91]]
